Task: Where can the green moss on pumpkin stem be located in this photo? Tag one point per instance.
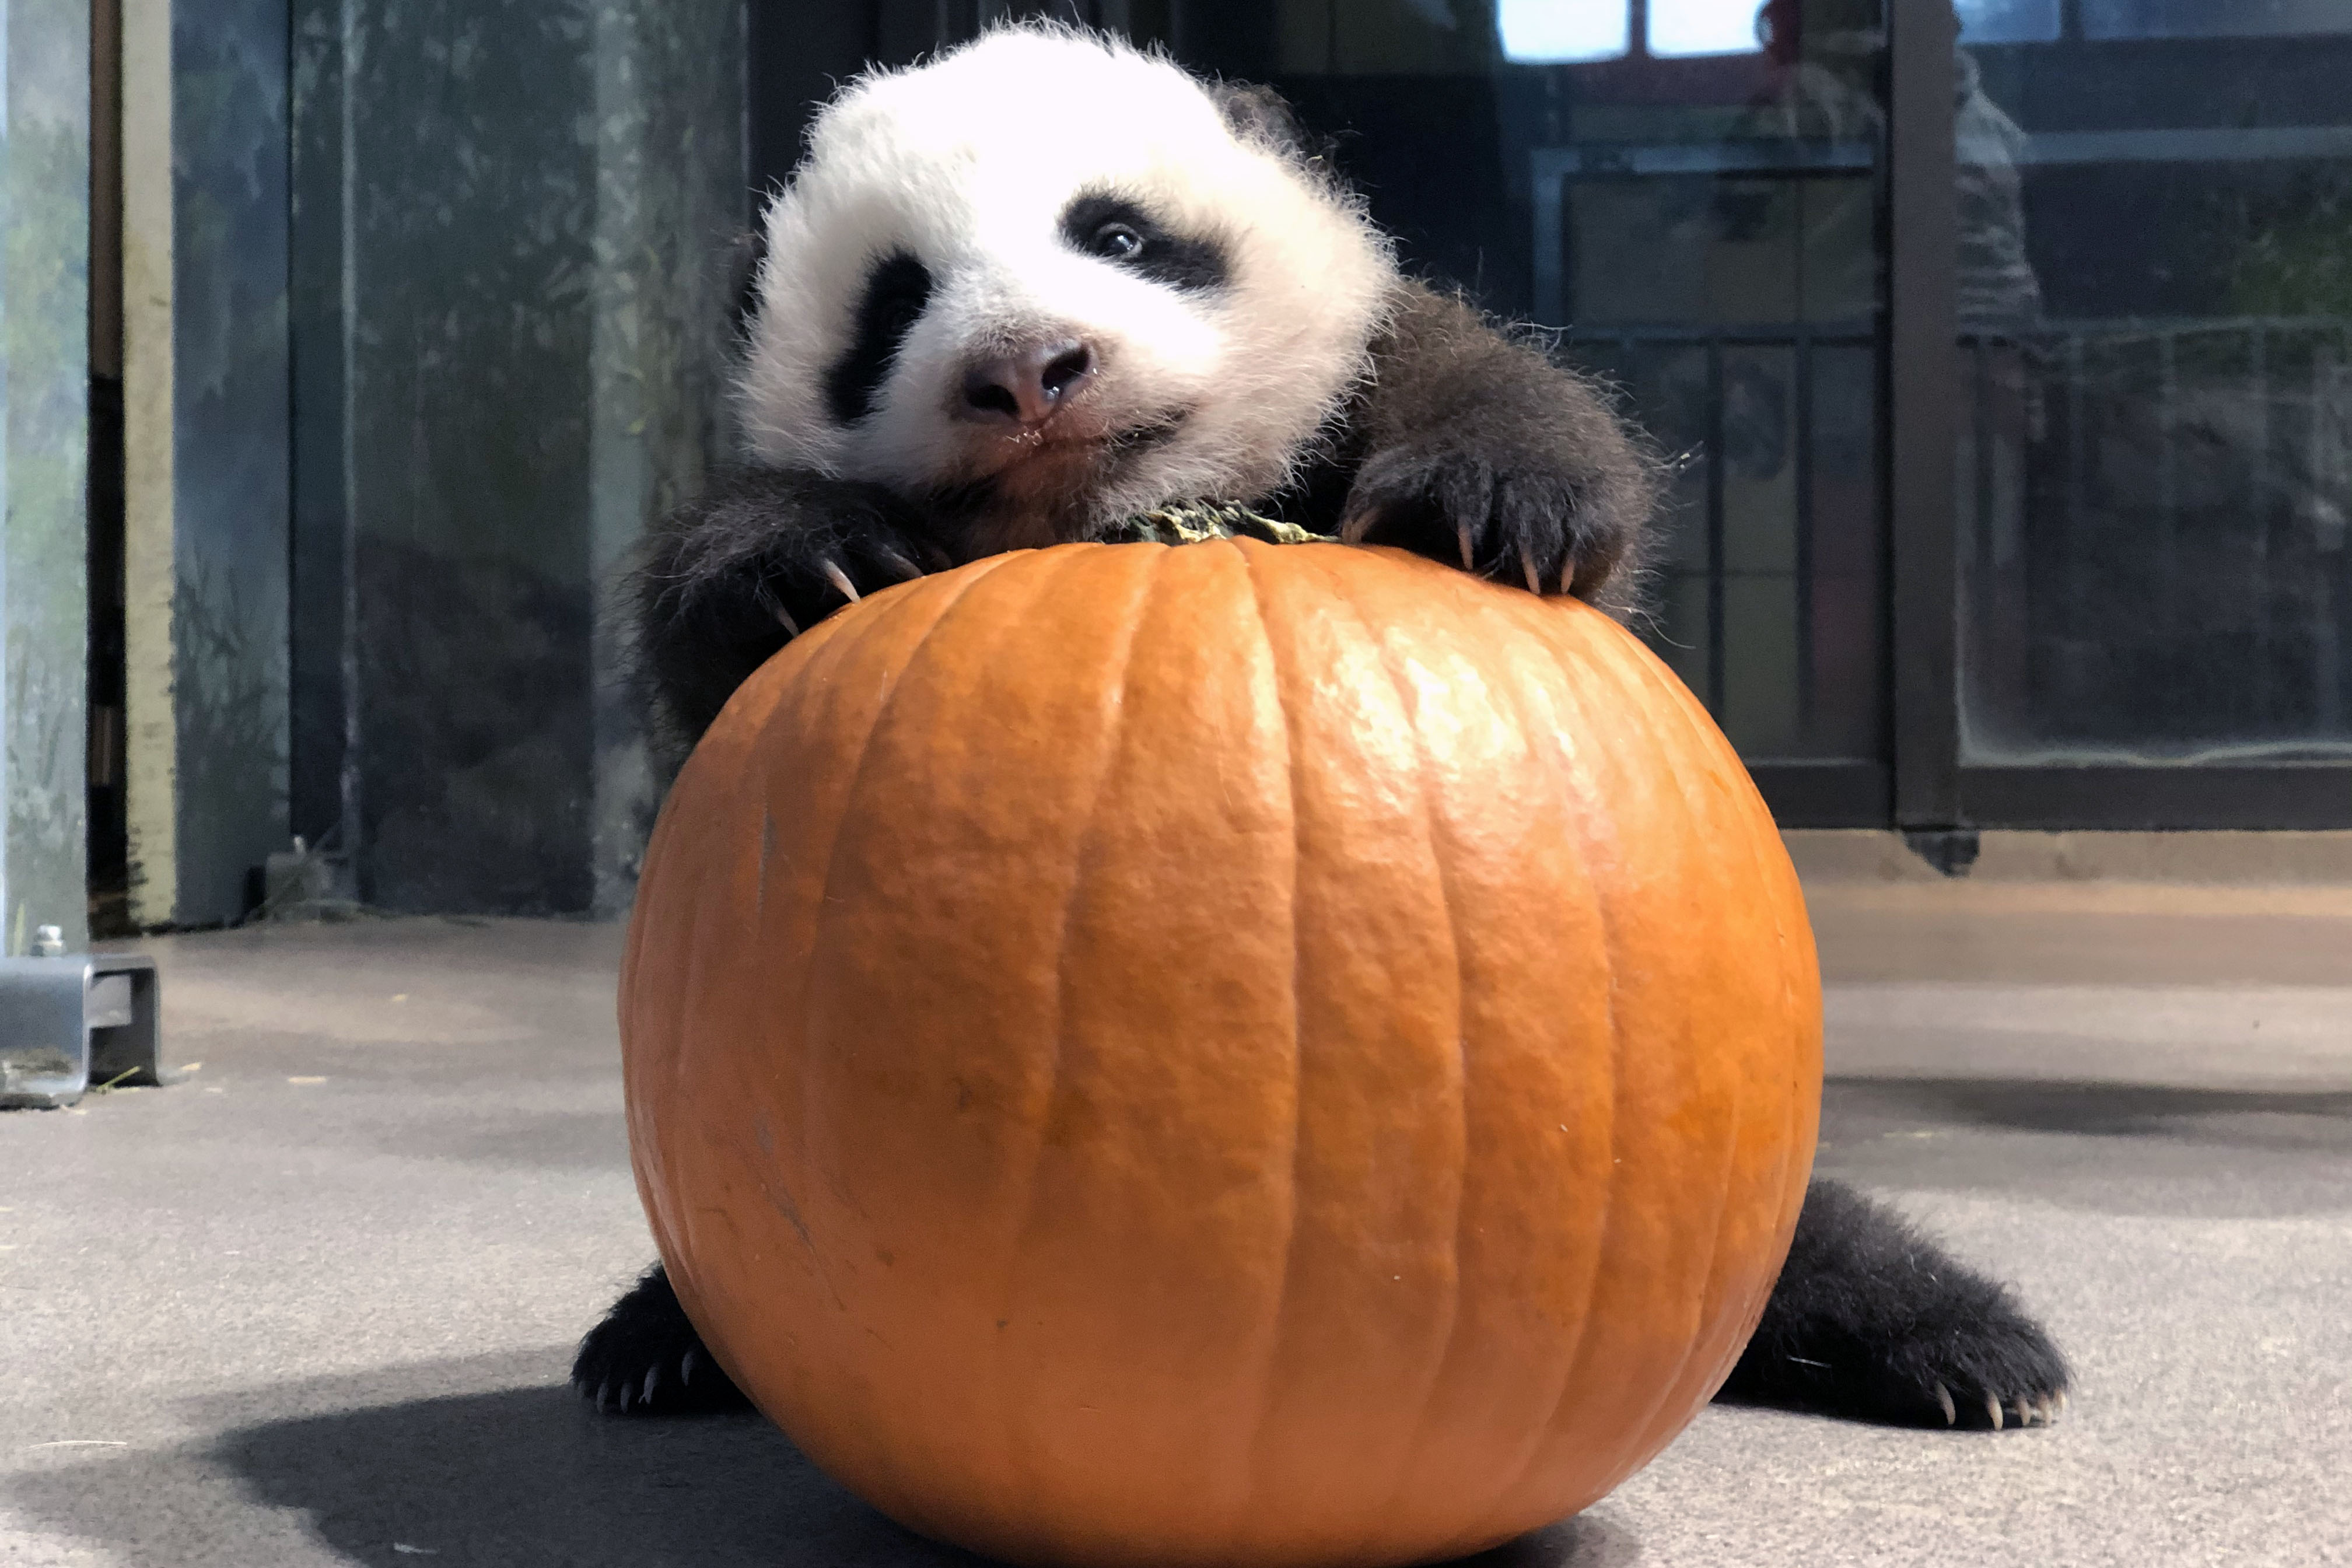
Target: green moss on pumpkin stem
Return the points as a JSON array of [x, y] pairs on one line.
[[1191, 523]]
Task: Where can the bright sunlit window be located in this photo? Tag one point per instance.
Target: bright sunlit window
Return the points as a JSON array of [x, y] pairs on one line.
[[1563, 32], [1681, 28]]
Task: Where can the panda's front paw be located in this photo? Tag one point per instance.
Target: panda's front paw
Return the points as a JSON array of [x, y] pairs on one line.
[[759, 558], [644, 1358], [1511, 517], [1871, 1322], [810, 575]]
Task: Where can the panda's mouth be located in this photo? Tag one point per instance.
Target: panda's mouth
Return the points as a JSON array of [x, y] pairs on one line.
[[1158, 432], [1052, 486], [1087, 450]]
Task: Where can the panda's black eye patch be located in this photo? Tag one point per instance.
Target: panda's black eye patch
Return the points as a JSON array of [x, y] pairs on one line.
[[1117, 230], [897, 291]]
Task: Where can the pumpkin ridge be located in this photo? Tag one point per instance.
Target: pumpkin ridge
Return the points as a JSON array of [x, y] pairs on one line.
[[1696, 816], [1409, 701], [1275, 1337], [1781, 933], [821, 651], [669, 824], [1582, 822], [804, 1060], [1014, 1409], [1658, 681], [856, 770], [1534, 622]]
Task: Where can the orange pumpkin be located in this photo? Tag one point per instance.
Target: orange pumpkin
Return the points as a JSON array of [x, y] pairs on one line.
[[1227, 1053]]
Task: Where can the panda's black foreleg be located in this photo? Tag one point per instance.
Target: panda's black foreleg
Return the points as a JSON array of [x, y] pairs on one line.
[[645, 1359], [1480, 451], [1871, 1322], [760, 557]]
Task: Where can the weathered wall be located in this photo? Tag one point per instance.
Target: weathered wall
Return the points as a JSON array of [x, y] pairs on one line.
[[229, 421], [506, 292], [43, 409], [206, 437]]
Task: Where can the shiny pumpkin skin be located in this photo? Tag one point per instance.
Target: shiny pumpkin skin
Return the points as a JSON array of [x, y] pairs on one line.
[[1228, 1054]]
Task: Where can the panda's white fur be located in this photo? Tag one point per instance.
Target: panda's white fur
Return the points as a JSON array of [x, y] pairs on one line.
[[967, 163]]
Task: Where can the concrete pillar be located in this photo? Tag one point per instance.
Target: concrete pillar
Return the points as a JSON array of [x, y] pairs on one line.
[[672, 187], [44, 452]]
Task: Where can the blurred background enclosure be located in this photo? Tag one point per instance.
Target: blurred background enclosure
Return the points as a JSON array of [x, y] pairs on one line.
[[2005, 350]]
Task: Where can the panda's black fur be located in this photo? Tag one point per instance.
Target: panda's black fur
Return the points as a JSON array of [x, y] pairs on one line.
[[1441, 434]]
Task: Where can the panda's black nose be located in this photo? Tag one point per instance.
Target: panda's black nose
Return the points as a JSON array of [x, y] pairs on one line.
[[1027, 388]]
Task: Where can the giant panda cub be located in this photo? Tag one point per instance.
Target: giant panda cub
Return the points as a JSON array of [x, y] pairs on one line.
[[1047, 282]]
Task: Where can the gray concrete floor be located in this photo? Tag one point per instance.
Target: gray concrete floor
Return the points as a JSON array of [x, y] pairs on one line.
[[314, 1306]]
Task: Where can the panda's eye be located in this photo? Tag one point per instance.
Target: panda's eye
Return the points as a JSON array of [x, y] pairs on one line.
[[1116, 241], [1115, 228]]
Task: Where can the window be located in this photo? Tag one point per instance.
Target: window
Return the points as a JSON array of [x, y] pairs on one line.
[[1682, 28], [1563, 32], [1570, 32]]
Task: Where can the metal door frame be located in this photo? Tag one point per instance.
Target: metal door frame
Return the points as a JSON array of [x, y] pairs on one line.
[[1934, 787]]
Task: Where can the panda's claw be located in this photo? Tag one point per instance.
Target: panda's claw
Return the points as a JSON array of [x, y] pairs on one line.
[[653, 1380], [908, 570], [783, 618], [686, 1364], [1992, 1408], [1944, 1398], [1519, 520], [839, 579], [2024, 1412]]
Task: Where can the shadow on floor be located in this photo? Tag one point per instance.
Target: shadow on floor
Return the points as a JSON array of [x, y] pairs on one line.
[[2252, 1118], [525, 1477], [2112, 1148]]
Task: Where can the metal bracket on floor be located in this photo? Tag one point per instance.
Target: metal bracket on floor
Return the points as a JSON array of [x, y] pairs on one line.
[[71, 1021]]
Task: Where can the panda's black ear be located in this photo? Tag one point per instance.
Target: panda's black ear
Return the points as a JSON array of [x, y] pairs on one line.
[[1258, 115], [743, 259]]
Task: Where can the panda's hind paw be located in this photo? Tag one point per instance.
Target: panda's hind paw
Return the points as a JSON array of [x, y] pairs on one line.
[[644, 1358], [1873, 1321]]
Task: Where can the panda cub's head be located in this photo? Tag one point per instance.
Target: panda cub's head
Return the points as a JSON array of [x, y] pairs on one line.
[[1045, 282]]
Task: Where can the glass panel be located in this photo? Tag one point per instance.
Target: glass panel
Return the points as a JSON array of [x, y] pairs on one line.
[[1688, 187], [2156, 323], [1712, 224], [2212, 18], [2008, 21]]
